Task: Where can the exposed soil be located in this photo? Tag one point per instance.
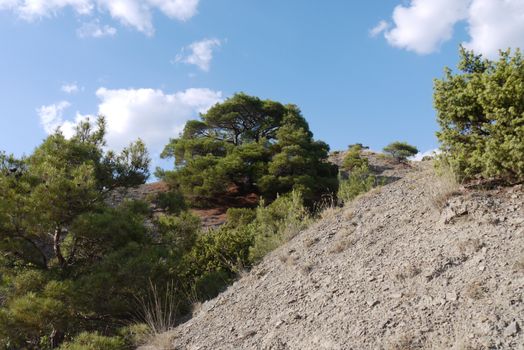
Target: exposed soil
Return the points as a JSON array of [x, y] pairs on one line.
[[212, 216]]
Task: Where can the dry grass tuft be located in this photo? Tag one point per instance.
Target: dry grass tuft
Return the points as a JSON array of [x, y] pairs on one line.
[[311, 241], [476, 290], [443, 188], [288, 259], [306, 269], [163, 341], [404, 342], [470, 246], [196, 307], [341, 246], [158, 309], [407, 272], [329, 212], [519, 264]]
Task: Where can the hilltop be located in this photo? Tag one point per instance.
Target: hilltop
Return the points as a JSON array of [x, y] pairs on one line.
[[414, 264]]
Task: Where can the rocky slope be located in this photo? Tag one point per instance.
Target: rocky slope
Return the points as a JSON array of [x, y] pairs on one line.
[[411, 265]]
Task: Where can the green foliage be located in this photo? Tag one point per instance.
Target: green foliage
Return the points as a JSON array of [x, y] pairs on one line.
[[353, 159], [172, 202], [178, 232], [360, 180], [69, 262], [249, 145], [94, 341], [400, 150], [358, 177], [239, 217], [43, 194], [219, 255], [277, 223], [135, 334], [481, 116], [73, 269]]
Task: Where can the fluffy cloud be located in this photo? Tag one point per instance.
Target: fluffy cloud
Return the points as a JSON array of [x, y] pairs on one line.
[[71, 88], [152, 115], [134, 13], [94, 29], [34, 9], [431, 153], [51, 116], [200, 53], [381, 27], [496, 24], [423, 25]]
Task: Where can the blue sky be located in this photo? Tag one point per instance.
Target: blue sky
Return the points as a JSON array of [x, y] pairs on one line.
[[151, 65]]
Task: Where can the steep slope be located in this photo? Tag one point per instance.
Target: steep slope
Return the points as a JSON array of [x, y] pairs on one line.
[[389, 271]]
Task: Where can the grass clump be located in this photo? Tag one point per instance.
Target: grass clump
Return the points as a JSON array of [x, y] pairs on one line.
[[94, 341], [360, 180], [278, 223], [444, 187], [359, 177]]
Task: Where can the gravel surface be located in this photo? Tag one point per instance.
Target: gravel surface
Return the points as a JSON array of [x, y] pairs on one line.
[[392, 270]]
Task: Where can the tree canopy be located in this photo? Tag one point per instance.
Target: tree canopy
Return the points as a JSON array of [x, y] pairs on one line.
[[248, 145], [45, 194], [401, 150], [60, 242], [480, 111]]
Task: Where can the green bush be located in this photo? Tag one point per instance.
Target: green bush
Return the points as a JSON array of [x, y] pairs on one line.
[[237, 217], [94, 341], [178, 232], [360, 180], [400, 150], [135, 334], [353, 159], [481, 115], [172, 202], [219, 255], [277, 223]]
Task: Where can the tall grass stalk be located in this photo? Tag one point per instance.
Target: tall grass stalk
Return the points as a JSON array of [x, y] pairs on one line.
[[158, 309]]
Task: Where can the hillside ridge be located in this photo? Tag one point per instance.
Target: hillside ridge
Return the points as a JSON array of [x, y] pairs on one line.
[[388, 271]]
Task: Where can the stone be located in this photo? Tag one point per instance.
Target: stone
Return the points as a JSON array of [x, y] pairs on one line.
[[452, 296], [512, 329], [372, 303]]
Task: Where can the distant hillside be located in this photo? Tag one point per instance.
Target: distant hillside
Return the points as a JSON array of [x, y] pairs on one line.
[[214, 216], [416, 264]]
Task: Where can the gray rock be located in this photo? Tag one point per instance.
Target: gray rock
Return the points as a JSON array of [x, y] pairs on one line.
[[512, 329]]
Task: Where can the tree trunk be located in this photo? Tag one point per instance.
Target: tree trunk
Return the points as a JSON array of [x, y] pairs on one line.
[[56, 338], [57, 247]]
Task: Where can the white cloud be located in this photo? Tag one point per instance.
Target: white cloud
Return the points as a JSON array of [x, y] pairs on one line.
[[51, 116], [8, 4], [431, 153], [134, 13], [94, 29], [152, 115], [423, 26], [33, 9], [71, 88], [496, 25], [381, 27], [201, 53]]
